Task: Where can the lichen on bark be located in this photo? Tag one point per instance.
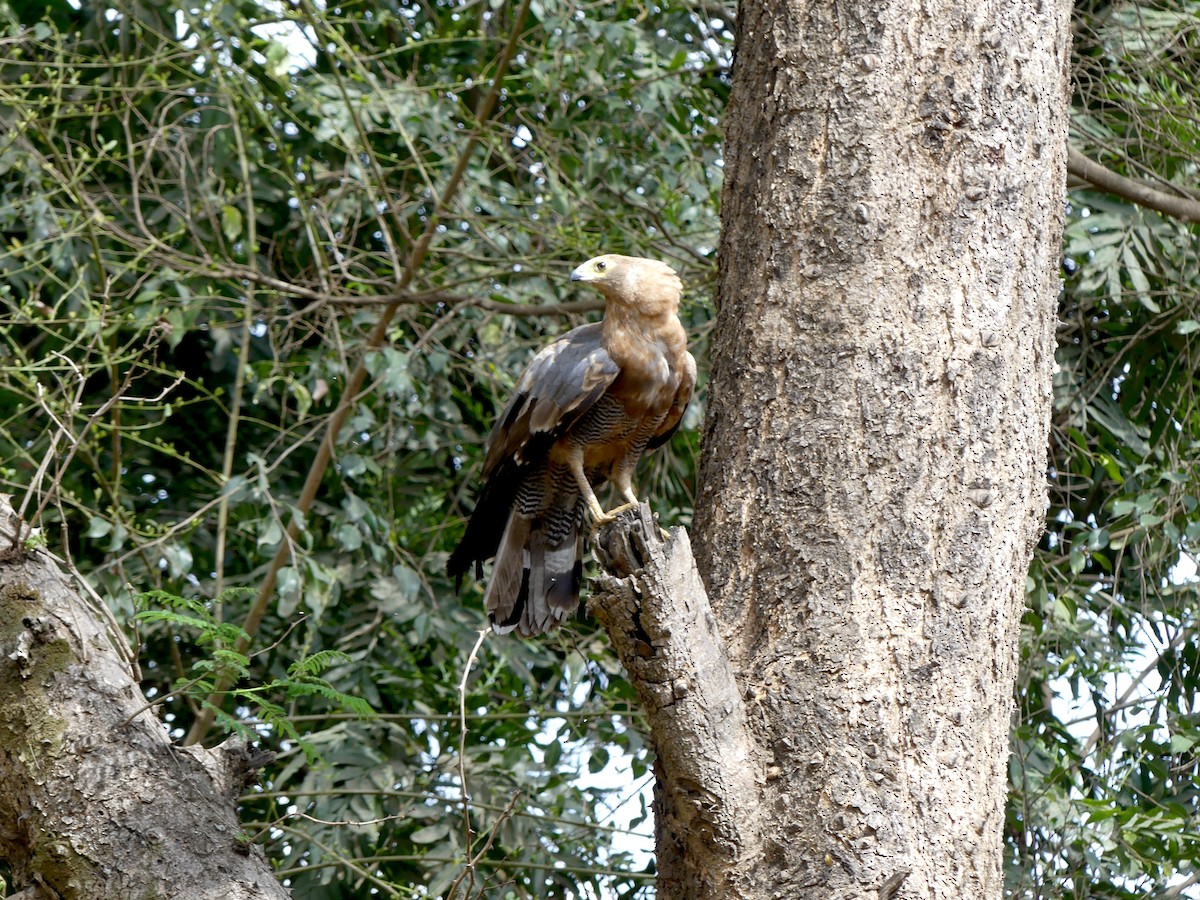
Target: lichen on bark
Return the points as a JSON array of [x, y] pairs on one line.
[[95, 802], [30, 657]]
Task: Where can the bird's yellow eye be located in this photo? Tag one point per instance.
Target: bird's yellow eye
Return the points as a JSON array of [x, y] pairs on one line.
[[601, 265]]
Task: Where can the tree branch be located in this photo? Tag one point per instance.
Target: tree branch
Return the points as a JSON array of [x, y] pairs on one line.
[[463, 300], [1182, 208], [1123, 701], [655, 609], [94, 802]]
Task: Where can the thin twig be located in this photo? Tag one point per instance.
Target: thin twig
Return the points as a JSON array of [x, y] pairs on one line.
[[357, 866], [575, 824], [474, 861], [497, 306], [462, 763], [1122, 701], [354, 383], [51, 453], [283, 637], [76, 440], [350, 823], [628, 711], [556, 866], [158, 701], [1177, 889], [243, 357]]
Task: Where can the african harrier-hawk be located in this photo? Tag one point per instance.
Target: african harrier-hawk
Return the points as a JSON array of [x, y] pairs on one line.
[[583, 413]]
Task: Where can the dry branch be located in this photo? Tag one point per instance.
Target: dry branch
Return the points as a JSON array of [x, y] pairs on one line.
[[358, 377], [1182, 208], [655, 609]]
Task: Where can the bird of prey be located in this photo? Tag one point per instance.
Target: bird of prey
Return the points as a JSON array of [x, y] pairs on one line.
[[583, 412]]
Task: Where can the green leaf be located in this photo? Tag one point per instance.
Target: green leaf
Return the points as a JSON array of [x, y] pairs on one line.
[[1111, 469], [288, 585], [98, 527], [1122, 507], [231, 222], [317, 663], [270, 533], [597, 759], [349, 537], [1137, 277], [430, 833], [278, 60], [1182, 743]]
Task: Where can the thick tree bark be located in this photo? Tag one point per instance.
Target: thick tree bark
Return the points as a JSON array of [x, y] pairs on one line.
[[95, 802], [874, 456]]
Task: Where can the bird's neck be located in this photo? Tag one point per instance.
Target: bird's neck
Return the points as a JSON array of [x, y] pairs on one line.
[[629, 331], [624, 317]]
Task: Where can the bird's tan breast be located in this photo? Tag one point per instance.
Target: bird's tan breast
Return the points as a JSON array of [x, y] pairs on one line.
[[636, 403], [649, 361]]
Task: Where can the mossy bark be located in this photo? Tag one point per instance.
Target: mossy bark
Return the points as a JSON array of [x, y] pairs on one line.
[[95, 801]]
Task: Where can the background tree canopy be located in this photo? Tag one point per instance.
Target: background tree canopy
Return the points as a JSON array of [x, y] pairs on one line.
[[227, 226]]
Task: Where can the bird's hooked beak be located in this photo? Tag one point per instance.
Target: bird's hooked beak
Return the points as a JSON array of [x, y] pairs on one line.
[[595, 269]]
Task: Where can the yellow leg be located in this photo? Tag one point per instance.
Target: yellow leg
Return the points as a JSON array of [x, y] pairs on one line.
[[613, 514], [595, 511], [623, 482]]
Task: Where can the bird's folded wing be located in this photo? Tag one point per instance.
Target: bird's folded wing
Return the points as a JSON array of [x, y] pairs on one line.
[[562, 382], [687, 383]]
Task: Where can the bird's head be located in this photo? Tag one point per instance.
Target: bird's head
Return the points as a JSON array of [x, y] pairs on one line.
[[648, 285]]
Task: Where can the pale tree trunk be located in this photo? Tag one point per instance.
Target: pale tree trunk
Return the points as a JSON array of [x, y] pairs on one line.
[[874, 457], [874, 469], [95, 802]]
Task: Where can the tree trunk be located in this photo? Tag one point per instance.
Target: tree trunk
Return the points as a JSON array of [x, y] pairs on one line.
[[95, 802], [875, 447]]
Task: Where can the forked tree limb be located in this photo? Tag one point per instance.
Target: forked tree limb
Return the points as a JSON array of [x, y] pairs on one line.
[[654, 607], [95, 801]]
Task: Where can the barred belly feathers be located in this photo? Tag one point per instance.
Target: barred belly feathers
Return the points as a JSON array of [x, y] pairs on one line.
[[582, 414]]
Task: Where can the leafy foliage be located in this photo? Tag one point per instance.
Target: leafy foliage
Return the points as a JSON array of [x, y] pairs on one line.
[[205, 210], [1105, 781], [224, 661]]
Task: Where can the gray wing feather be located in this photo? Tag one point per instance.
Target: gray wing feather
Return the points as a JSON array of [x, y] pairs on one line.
[[560, 384]]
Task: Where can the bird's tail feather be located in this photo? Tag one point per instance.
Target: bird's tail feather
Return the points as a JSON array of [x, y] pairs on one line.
[[510, 575], [485, 527], [536, 579]]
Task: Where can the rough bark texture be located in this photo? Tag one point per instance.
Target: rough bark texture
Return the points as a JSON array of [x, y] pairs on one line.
[[874, 457], [95, 802], [653, 605]]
